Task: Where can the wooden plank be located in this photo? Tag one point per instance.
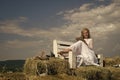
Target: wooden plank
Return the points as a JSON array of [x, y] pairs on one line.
[[62, 47], [64, 42], [55, 48]]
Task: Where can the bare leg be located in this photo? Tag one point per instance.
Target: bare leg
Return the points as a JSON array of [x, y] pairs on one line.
[[80, 63]]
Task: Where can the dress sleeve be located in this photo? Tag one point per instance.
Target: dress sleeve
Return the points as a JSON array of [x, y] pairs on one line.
[[91, 44]]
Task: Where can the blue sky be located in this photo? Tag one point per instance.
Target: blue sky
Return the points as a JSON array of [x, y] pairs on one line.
[[28, 27]]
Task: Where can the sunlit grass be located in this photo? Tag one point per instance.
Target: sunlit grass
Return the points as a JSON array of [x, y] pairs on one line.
[[57, 69]]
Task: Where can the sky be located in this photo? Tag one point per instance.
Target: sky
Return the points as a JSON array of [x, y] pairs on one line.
[[28, 27]]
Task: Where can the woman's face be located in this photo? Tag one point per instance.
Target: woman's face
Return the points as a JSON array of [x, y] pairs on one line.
[[85, 34]]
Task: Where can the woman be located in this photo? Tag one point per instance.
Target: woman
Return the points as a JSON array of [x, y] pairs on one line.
[[83, 48]]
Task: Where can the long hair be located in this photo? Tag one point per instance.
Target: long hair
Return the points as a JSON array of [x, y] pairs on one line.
[[87, 31], [82, 36]]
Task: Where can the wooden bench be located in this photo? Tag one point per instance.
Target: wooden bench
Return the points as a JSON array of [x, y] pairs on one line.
[[60, 45]]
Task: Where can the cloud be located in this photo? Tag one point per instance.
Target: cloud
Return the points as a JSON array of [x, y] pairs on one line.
[[101, 0], [21, 44], [14, 27], [116, 1], [85, 7], [60, 13], [102, 20]]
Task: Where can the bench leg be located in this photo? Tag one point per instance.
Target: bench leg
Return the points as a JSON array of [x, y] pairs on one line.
[[72, 60]]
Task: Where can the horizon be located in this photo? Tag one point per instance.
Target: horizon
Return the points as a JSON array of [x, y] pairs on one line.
[[12, 60], [29, 27]]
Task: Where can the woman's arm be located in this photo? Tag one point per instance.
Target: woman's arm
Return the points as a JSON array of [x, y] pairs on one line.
[[91, 44], [64, 51]]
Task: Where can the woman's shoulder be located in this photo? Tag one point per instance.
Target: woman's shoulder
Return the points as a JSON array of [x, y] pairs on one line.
[[89, 39]]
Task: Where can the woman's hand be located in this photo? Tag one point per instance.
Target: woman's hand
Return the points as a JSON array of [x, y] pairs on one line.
[[60, 52], [64, 51]]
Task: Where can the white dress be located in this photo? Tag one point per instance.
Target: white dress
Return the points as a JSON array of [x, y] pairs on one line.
[[84, 52]]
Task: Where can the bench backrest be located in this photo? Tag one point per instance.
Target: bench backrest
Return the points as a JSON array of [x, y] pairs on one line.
[[60, 45]]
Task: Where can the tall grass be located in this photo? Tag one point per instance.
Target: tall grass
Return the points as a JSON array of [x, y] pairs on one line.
[[53, 66], [112, 61], [93, 73], [34, 67], [57, 69], [12, 76]]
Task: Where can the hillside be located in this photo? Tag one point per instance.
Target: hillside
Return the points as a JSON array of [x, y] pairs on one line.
[[58, 69], [12, 65]]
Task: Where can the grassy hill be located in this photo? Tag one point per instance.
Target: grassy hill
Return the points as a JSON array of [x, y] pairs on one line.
[[12, 65], [58, 70]]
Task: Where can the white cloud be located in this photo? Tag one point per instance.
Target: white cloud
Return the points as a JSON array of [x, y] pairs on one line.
[[13, 27], [101, 20], [85, 7], [101, 0], [116, 1], [59, 13], [22, 44]]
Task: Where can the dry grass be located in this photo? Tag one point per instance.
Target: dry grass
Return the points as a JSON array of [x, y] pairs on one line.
[[12, 76], [93, 73], [34, 67], [57, 69], [82, 73], [57, 66], [52, 66], [56, 77], [112, 61], [115, 73]]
